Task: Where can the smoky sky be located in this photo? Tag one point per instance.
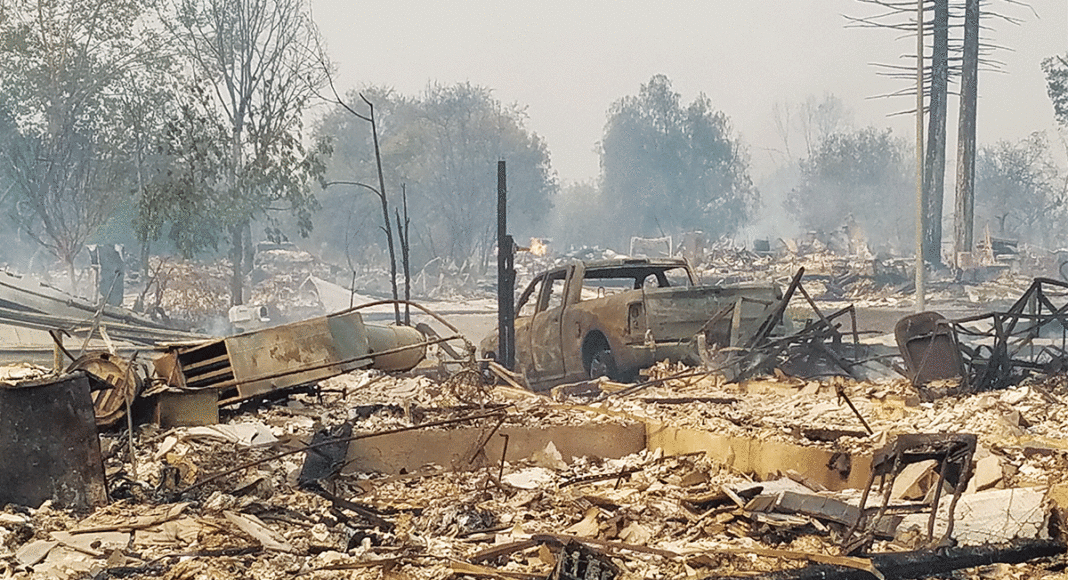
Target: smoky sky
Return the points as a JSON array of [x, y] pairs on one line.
[[568, 60]]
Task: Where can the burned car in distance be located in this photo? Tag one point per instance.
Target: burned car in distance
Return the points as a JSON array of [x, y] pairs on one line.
[[615, 317]]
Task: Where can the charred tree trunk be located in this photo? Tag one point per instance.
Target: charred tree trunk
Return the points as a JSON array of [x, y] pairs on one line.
[[402, 234], [385, 214], [237, 253], [964, 216], [934, 175], [146, 252], [72, 275], [250, 250], [237, 230]]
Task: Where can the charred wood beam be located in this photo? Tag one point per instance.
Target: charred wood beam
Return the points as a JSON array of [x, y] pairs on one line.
[[925, 564], [771, 321], [402, 234], [505, 275], [364, 512]]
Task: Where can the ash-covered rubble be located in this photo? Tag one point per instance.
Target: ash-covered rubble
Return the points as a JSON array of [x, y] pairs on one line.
[[228, 500], [283, 281], [838, 271], [439, 473]]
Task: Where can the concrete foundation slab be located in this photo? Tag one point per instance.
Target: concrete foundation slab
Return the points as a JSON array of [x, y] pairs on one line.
[[409, 451]]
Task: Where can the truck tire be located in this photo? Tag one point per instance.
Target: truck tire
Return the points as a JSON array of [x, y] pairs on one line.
[[603, 364]]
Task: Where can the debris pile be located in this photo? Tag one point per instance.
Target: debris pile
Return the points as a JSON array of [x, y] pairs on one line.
[[319, 453], [237, 498]]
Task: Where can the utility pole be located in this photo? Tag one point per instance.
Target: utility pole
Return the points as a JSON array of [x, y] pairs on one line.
[[920, 205]]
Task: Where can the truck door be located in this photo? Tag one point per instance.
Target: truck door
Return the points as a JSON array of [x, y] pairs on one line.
[[571, 328], [526, 306], [545, 329]]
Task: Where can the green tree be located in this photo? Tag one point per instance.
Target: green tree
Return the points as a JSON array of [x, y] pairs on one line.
[[147, 97], [1056, 69], [185, 178], [260, 62], [444, 145], [62, 63], [863, 174], [670, 167], [1019, 191]]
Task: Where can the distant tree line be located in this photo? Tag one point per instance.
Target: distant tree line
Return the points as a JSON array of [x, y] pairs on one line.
[[442, 146], [188, 111], [182, 121]]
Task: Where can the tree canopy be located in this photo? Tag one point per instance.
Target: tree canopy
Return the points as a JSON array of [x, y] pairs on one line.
[[260, 64], [861, 174], [443, 145], [63, 65], [666, 166], [1019, 191], [1056, 69]]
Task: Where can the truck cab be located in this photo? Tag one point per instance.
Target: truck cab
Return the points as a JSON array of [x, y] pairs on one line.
[[615, 317]]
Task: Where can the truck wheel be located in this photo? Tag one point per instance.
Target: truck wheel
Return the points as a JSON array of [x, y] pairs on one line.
[[603, 365]]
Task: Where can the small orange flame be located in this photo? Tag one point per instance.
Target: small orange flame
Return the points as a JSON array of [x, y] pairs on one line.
[[538, 247]]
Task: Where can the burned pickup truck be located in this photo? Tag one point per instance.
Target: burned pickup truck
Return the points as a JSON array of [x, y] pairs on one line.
[[615, 317]]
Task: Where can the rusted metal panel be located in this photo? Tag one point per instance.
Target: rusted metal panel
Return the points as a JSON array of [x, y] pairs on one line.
[[681, 313], [168, 369], [929, 347], [297, 353], [261, 361], [187, 408], [49, 444]]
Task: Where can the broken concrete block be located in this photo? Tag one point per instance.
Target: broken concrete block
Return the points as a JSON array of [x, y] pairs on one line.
[[252, 526], [530, 478], [914, 480], [93, 542], [1015, 395], [987, 473], [763, 457], [14, 520], [65, 562], [1058, 496], [243, 434], [636, 533], [409, 451], [34, 552], [999, 515], [587, 527]]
